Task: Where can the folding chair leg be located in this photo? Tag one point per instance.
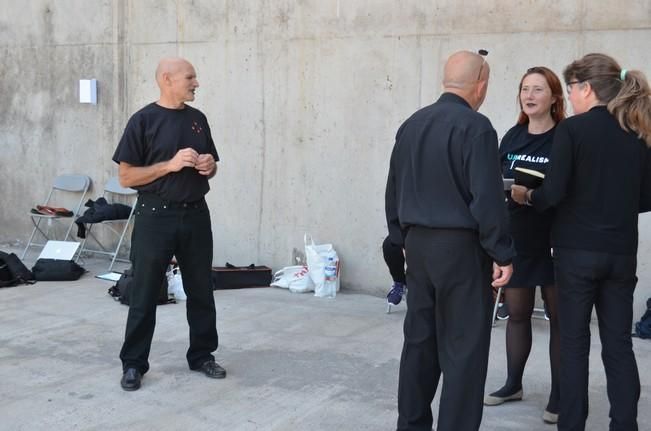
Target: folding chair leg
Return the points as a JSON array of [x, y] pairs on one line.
[[497, 303], [65, 238], [538, 313], [29, 243], [117, 251], [81, 249]]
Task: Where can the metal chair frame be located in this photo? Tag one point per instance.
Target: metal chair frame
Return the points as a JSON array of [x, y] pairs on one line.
[[62, 184], [113, 192]]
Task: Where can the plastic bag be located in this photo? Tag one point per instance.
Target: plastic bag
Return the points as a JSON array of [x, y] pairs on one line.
[[294, 278], [175, 284], [318, 256]]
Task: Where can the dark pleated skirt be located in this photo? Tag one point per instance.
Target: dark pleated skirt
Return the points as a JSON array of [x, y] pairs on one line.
[[532, 271]]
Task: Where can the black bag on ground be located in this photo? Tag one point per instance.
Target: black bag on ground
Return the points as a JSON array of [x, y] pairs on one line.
[[238, 277], [120, 291], [13, 271], [57, 270], [7, 279], [643, 327]]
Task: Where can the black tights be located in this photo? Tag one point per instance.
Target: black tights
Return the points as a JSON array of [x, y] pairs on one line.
[[518, 339], [395, 260]]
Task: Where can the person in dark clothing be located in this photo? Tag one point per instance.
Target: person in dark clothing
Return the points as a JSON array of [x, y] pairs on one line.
[[445, 206], [599, 180], [167, 153], [528, 145], [395, 260]]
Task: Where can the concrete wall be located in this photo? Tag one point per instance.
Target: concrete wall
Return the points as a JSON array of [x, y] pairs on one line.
[[303, 97]]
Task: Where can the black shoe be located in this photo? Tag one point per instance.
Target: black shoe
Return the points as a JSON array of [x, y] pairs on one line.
[[131, 380], [212, 369]]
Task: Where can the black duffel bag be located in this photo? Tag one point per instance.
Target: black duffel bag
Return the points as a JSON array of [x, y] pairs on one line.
[[57, 270], [238, 277]]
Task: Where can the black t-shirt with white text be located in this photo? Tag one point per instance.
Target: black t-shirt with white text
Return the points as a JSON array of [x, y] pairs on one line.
[[530, 229], [155, 134]]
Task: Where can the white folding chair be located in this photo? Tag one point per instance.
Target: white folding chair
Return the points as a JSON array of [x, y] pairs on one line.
[[116, 229], [66, 190]]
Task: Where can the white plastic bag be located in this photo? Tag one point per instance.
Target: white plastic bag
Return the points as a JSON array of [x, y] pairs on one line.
[[294, 278], [175, 285], [318, 256]]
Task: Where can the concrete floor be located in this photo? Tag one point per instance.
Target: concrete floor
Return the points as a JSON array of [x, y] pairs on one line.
[[294, 362]]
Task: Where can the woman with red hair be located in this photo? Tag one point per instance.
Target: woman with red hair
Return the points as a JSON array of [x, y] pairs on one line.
[[527, 145]]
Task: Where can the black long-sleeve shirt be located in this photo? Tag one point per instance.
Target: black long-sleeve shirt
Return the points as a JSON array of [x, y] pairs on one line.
[[445, 173], [599, 179]]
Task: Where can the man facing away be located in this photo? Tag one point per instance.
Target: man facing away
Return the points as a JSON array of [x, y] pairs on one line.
[[168, 155], [445, 205]]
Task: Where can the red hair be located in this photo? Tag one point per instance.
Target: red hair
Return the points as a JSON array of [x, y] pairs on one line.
[[557, 110]]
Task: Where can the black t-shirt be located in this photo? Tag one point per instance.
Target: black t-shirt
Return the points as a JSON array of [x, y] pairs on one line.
[[530, 229], [155, 134]]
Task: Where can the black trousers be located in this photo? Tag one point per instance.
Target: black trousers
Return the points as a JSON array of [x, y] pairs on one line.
[[395, 260], [162, 230], [447, 330], [605, 281]]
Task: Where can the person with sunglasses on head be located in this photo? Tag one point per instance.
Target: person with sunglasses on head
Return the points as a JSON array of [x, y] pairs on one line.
[[528, 145], [599, 180], [445, 207]]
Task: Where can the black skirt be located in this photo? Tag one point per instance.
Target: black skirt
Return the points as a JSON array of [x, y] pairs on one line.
[[532, 271]]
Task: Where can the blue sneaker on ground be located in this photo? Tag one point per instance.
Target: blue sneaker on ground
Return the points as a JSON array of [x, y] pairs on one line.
[[396, 293]]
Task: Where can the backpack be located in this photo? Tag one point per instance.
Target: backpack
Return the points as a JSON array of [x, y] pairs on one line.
[[13, 272], [120, 291], [643, 327], [57, 270]]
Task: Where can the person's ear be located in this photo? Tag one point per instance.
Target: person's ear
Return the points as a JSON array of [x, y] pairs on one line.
[[481, 88], [167, 78]]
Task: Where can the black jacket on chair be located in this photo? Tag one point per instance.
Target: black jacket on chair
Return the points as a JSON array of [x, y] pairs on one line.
[[101, 210]]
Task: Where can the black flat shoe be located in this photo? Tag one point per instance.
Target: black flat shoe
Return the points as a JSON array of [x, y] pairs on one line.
[[131, 380], [212, 369]]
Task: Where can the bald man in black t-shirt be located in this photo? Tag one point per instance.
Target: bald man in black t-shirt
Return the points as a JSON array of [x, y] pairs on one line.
[[168, 155]]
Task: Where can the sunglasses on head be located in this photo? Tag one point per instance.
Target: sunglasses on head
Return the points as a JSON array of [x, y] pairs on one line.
[[483, 54]]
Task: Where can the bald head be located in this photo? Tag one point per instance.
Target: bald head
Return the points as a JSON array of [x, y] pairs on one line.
[[177, 81], [171, 66], [463, 69], [466, 75]]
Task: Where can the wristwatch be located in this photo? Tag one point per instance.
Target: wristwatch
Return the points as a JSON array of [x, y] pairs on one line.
[[527, 197]]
